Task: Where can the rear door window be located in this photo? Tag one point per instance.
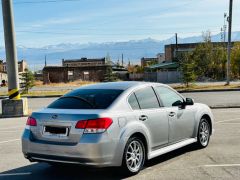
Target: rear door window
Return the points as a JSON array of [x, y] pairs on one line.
[[132, 100], [147, 98], [87, 99]]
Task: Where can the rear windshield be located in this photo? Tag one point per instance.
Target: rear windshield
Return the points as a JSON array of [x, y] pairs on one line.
[[87, 99]]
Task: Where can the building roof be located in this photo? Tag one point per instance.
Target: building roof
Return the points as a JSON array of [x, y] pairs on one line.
[[149, 58], [83, 60], [198, 43], [170, 65]]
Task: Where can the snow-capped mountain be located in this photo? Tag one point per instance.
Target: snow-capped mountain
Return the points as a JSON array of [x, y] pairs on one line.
[[132, 50]]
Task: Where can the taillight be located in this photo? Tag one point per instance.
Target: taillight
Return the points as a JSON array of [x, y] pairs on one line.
[[31, 121], [94, 125]]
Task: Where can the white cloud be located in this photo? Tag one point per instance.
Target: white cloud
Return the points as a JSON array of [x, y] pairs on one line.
[[55, 21]]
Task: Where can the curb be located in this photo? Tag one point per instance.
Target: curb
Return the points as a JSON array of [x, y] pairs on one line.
[[225, 107], [50, 96], [14, 116], [208, 90]]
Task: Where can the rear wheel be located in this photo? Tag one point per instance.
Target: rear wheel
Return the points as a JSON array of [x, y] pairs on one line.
[[203, 133], [134, 156]]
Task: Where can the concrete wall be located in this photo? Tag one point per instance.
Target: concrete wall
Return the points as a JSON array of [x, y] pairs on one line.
[[169, 77], [150, 76], [163, 77], [136, 76]]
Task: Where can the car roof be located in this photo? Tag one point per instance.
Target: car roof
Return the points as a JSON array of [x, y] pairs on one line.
[[121, 85]]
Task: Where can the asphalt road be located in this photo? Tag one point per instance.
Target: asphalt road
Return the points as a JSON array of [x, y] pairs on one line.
[[220, 160], [209, 98], [216, 98]]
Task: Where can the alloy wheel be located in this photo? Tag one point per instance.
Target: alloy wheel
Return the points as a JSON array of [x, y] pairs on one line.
[[204, 133], [134, 156]]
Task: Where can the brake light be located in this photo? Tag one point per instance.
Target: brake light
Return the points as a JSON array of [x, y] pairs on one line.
[[81, 124], [31, 121], [94, 125]]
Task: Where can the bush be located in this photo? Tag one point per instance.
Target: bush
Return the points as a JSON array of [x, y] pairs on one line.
[[28, 80]]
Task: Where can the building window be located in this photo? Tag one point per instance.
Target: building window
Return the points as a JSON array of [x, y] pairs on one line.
[[70, 73]]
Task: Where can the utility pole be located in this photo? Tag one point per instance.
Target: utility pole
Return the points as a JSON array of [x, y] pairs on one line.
[[45, 60], [14, 106], [176, 52], [11, 52], [229, 41], [122, 60], [224, 27]]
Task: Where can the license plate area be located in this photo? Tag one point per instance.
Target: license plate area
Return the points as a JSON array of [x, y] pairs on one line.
[[55, 131]]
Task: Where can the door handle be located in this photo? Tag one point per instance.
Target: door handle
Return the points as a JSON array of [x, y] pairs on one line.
[[143, 118], [171, 114]]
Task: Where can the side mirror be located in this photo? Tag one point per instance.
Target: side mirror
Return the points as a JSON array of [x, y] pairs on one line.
[[189, 102], [178, 103]]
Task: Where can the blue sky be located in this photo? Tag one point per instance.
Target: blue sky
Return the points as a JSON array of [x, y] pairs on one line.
[[46, 22]]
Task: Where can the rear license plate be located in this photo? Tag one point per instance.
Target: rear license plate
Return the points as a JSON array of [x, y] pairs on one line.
[[57, 131]]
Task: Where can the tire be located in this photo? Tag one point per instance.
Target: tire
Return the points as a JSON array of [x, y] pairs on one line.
[[133, 156], [203, 136]]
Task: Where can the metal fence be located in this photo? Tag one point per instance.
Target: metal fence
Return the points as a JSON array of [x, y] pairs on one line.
[[162, 77]]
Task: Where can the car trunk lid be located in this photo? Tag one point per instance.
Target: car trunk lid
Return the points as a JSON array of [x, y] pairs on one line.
[[58, 125]]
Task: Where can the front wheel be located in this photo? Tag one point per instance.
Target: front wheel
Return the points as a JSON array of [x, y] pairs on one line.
[[203, 133], [134, 156]]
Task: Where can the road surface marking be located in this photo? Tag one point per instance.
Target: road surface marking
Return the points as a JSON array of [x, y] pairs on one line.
[[12, 140], [230, 123], [16, 174], [227, 120], [228, 111], [222, 165]]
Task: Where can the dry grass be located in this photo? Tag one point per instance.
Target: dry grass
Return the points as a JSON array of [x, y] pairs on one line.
[[205, 87], [46, 93], [40, 93], [74, 83]]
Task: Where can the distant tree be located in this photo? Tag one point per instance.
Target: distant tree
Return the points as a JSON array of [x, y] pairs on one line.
[[151, 63], [129, 63], [27, 78], [139, 69], [209, 59], [235, 61], [135, 69], [109, 76], [207, 36], [187, 68]]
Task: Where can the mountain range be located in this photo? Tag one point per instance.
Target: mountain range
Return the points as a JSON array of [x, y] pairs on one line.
[[132, 50]]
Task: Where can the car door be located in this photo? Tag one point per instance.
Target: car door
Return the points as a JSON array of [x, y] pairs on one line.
[[147, 109], [181, 119]]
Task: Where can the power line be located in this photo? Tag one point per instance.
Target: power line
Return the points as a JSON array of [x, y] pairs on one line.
[[43, 2], [110, 34], [119, 28]]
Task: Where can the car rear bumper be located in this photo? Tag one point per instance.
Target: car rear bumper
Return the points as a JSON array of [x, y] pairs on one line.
[[100, 152]]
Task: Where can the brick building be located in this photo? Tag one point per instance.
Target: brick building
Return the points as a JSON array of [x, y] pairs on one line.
[[22, 65], [172, 49], [153, 60], [76, 69]]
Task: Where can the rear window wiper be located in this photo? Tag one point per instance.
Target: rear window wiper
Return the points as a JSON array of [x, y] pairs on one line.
[[80, 98]]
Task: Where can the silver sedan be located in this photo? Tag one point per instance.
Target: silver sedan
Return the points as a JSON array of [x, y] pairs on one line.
[[116, 124]]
